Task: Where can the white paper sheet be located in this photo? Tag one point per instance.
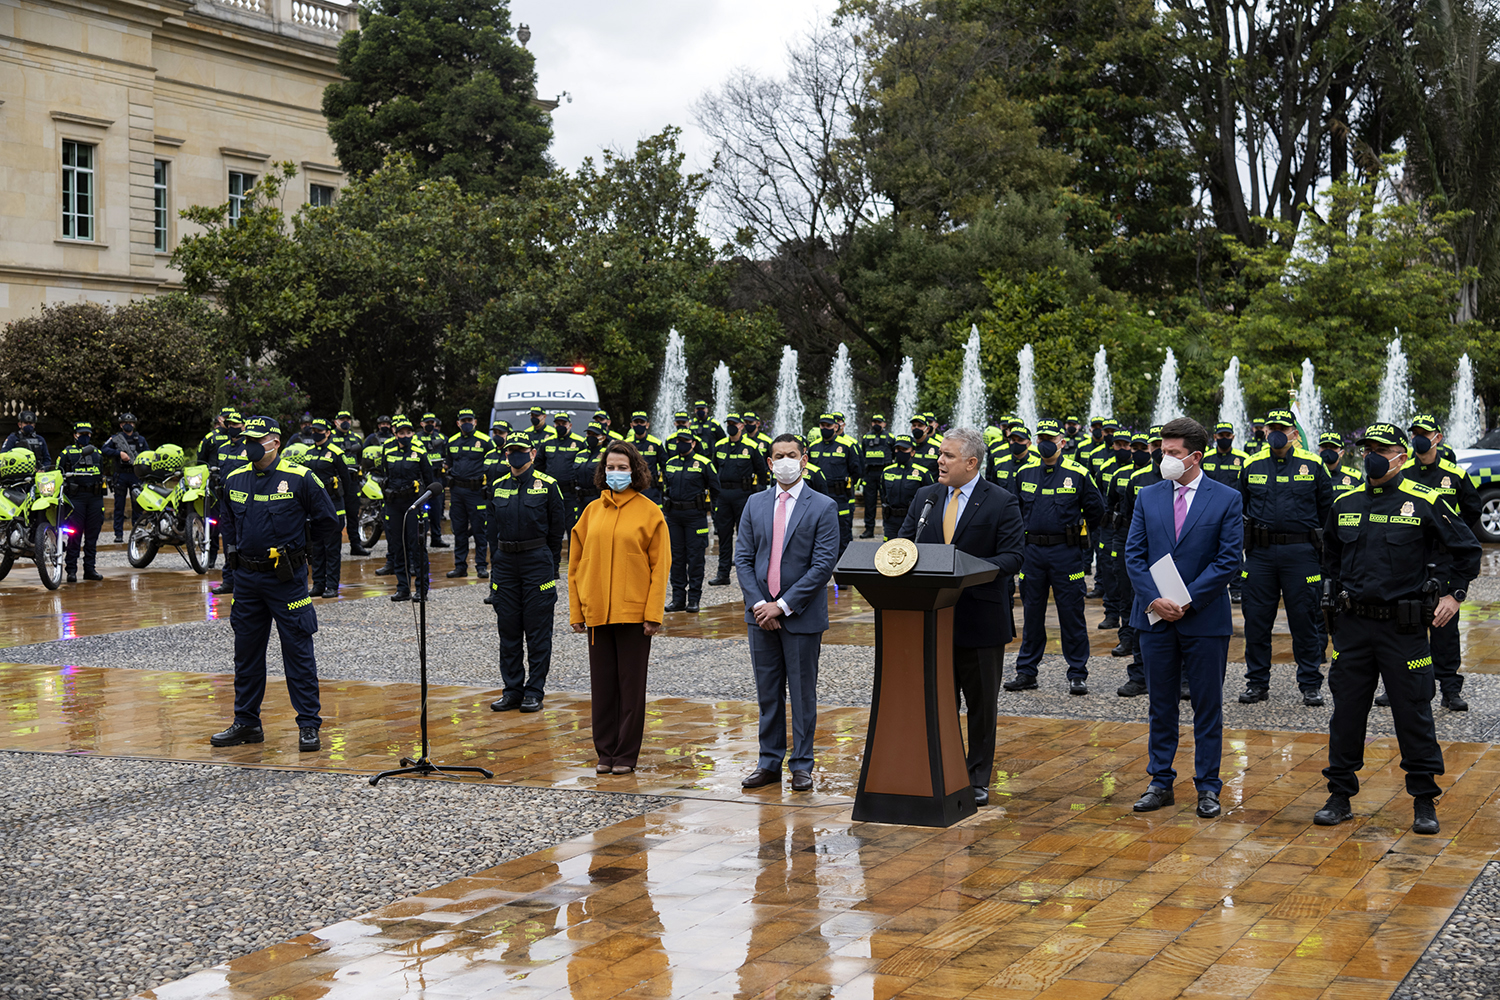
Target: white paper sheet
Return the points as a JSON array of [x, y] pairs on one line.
[[1168, 584]]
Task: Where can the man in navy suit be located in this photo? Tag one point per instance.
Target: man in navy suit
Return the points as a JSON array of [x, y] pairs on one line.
[[1198, 523], [788, 544], [982, 519]]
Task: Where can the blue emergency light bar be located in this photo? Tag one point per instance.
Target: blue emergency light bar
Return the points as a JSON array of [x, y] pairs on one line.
[[533, 369]]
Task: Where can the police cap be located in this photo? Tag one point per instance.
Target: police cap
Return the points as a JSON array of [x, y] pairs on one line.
[[601, 415], [917, 418], [517, 443], [1047, 427], [227, 410], [594, 428], [259, 427], [1096, 422], [902, 441], [827, 418], [1109, 425], [320, 424], [877, 417], [683, 434], [1154, 434], [1280, 418], [640, 415], [1140, 439], [701, 402], [1223, 427], [680, 415], [1020, 431], [749, 415], [429, 416], [342, 414], [500, 425], [537, 409], [233, 417], [1071, 420], [838, 415], [731, 418], [125, 418], [1385, 434], [562, 415], [83, 425], [1258, 421], [1332, 438], [466, 412], [929, 416], [1426, 423], [401, 422]]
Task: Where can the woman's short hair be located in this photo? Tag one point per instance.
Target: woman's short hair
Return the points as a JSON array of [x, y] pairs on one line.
[[640, 478]]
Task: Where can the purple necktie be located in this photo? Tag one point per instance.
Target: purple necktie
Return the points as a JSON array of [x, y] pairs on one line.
[[1179, 509]]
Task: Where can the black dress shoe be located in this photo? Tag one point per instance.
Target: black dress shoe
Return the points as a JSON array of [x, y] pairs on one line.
[[692, 609], [437, 543], [385, 570], [483, 574], [867, 534], [315, 592], [237, 733], [801, 781], [1383, 699], [1312, 698], [760, 777], [307, 739], [1020, 682], [119, 539], [1109, 623], [1078, 687], [401, 594], [505, 703], [72, 577], [1253, 694], [91, 574], [457, 572], [356, 549], [719, 581], [531, 703], [676, 606], [1095, 593], [1131, 689], [1452, 702], [1208, 804], [1424, 817], [1334, 811], [490, 599], [1155, 797], [221, 589], [1121, 650], [981, 795]]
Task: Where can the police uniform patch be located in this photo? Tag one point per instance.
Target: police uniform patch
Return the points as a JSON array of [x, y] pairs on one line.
[[1447, 482], [1408, 509], [1068, 483], [1236, 463], [1303, 471], [282, 487]]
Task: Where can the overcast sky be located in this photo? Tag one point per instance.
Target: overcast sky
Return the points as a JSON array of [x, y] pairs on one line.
[[635, 67]]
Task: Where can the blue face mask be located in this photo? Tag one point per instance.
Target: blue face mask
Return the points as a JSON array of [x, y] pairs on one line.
[[518, 458], [83, 440], [1047, 449], [1277, 440], [1329, 456], [255, 451], [467, 426], [617, 481], [1421, 444], [1376, 465]]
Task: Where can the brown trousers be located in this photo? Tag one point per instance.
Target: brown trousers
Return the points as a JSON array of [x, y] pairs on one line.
[[617, 679]]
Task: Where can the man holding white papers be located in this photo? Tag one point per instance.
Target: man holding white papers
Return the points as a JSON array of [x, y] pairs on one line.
[[1196, 523]]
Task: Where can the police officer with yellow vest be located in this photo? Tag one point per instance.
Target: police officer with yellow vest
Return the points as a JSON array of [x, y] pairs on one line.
[[900, 481], [1399, 559], [468, 451], [1109, 557], [755, 432], [1345, 478], [83, 483], [555, 458], [403, 462], [1144, 470], [526, 522], [1224, 465], [601, 417], [651, 449], [334, 470], [874, 455], [269, 505], [1287, 496], [923, 449], [705, 429], [691, 488], [432, 438], [838, 459], [742, 469], [585, 461]]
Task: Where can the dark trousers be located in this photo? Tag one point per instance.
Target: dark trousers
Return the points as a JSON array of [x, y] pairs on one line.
[[846, 520], [524, 594], [688, 531], [1171, 657], [86, 518], [874, 483], [1106, 577], [404, 538], [618, 655], [786, 666], [467, 513], [1289, 574], [123, 482], [260, 599], [435, 516], [1365, 652], [1135, 670], [1237, 582], [1055, 569], [726, 520], [1446, 657], [325, 560], [351, 516], [977, 670]]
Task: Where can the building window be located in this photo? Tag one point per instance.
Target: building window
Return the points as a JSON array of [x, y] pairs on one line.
[[159, 194], [238, 184], [77, 190], [319, 195]]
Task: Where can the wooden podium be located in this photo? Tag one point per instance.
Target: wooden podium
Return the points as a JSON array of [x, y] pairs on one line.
[[913, 770]]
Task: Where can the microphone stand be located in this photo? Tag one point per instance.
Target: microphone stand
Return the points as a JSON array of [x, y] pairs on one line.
[[926, 509], [423, 765]]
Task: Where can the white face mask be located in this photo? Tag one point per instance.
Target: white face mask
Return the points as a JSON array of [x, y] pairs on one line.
[[787, 470], [1173, 468]]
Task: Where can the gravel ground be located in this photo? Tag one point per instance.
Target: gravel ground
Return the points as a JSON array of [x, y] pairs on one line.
[[89, 910], [1463, 962]]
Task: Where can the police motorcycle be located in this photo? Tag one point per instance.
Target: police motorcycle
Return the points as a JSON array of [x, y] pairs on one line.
[[172, 500], [31, 516], [371, 497]]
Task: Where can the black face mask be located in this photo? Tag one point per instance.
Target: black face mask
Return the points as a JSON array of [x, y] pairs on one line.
[[1109, 439], [344, 425], [1224, 445], [1260, 436], [322, 436], [684, 447], [385, 430], [701, 414], [918, 433], [1421, 444], [731, 428], [1047, 449], [827, 433], [82, 440], [877, 428], [1018, 448], [640, 429], [1330, 456], [404, 443], [127, 428], [235, 432], [1156, 456], [499, 440], [751, 426], [519, 458], [903, 458], [1097, 434], [1376, 465], [1277, 440], [255, 451], [1140, 459], [536, 420], [466, 426]]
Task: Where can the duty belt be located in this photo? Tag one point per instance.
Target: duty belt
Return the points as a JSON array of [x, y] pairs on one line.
[[1264, 536], [1032, 538], [747, 484], [468, 484], [267, 566], [526, 546], [1374, 612], [72, 487]]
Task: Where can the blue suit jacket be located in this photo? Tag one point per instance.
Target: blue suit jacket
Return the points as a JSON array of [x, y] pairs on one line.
[[1207, 554], [808, 552]]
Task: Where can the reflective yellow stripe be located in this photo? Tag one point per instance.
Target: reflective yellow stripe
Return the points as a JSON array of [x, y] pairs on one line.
[[1075, 576], [299, 604], [548, 585]]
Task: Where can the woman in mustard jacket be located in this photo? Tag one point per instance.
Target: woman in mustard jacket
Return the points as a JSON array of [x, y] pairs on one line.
[[618, 560]]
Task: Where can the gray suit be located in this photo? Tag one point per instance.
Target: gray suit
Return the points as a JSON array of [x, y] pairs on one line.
[[787, 658]]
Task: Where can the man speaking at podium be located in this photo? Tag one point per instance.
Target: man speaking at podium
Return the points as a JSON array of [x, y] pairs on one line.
[[1186, 534], [965, 510]]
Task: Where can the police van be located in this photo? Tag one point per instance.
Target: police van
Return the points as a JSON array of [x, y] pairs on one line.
[[568, 390], [1482, 463]]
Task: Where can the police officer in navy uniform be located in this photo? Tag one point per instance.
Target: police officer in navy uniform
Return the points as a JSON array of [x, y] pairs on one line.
[[1223, 465], [217, 435], [83, 484], [268, 508], [121, 449], [1287, 498], [585, 461], [1017, 453], [351, 444], [555, 458], [435, 441], [1145, 470], [838, 460], [690, 489], [330, 465], [226, 431], [468, 452], [408, 473], [230, 455], [1345, 478], [651, 449], [538, 433], [706, 429], [874, 455], [601, 417], [382, 433], [900, 481], [1061, 510], [742, 469], [25, 436], [525, 525], [1109, 558], [1399, 559]]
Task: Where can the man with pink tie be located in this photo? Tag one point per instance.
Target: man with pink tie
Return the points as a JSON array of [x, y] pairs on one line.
[[788, 543]]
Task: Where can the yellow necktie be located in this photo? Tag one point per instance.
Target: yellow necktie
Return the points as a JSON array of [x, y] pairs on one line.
[[950, 517]]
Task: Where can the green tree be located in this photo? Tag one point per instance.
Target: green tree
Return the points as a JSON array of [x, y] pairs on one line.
[[442, 81]]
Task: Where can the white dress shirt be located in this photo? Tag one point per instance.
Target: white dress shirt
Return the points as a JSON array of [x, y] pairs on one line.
[[795, 494]]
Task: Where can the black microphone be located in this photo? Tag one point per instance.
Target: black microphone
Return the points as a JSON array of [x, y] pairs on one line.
[[437, 486], [926, 509]]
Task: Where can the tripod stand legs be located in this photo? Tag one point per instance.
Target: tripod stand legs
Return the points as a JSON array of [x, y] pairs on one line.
[[425, 766]]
